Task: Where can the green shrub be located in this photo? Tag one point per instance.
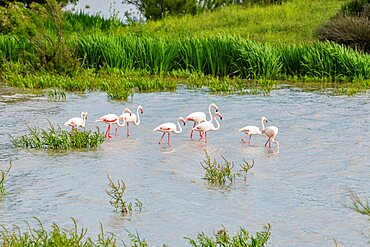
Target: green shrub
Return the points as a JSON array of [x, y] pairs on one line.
[[58, 139], [222, 238]]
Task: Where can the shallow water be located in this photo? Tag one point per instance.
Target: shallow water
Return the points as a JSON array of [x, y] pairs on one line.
[[302, 189]]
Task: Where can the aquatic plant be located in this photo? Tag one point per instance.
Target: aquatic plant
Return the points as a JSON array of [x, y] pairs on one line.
[[57, 139], [116, 193], [57, 236], [240, 239], [360, 206], [56, 95], [217, 173], [3, 175], [244, 169], [221, 174]]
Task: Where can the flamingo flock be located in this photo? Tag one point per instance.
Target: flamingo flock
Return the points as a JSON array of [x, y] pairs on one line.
[[201, 125]]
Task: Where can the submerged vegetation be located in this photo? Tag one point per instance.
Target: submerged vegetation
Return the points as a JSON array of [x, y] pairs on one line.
[[240, 239], [57, 139], [219, 174], [116, 193], [3, 176]]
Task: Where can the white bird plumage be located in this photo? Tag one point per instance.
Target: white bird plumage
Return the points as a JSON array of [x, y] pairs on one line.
[[252, 130], [131, 117], [111, 119], [271, 132], [199, 117], [168, 128], [76, 122], [206, 126]]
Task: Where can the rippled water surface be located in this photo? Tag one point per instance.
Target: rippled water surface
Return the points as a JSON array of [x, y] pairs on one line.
[[300, 189]]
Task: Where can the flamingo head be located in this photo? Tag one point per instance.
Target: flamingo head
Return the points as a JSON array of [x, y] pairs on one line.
[[219, 115], [127, 110], [182, 119], [214, 106], [264, 119], [84, 115], [141, 109]]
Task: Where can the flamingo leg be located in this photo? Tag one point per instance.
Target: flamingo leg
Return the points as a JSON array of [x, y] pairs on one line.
[[268, 140], [109, 136], [244, 138], [160, 140], [191, 133], [127, 130], [106, 132], [249, 140], [115, 134], [200, 135], [206, 139], [168, 138]]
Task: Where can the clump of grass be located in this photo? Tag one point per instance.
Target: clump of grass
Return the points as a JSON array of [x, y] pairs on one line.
[[216, 173], [244, 169], [116, 193], [56, 95], [223, 238], [3, 175], [222, 174], [55, 237], [360, 206], [57, 139]]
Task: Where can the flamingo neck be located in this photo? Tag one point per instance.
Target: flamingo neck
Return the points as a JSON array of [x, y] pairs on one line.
[[210, 114], [263, 125], [180, 129], [137, 120], [218, 126]]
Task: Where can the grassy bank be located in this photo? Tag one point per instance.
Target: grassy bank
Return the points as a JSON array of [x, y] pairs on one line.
[[292, 22]]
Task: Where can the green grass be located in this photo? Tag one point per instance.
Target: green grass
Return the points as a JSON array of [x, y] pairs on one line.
[[222, 238], [292, 22], [116, 192], [3, 176], [57, 139], [222, 174]]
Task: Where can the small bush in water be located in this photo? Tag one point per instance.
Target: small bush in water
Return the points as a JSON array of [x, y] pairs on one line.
[[116, 193], [223, 238], [219, 174], [58, 139], [3, 175]]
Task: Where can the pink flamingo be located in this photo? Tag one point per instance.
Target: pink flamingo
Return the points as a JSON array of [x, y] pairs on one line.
[[168, 128], [76, 122], [198, 117], [271, 132], [131, 117], [251, 130], [206, 126], [111, 119]]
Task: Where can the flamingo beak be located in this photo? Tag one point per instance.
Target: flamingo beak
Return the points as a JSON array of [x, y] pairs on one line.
[[142, 111], [216, 110], [221, 118]]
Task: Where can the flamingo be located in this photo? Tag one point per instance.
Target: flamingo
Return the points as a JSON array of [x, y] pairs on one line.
[[168, 128], [252, 130], [198, 117], [76, 122], [206, 126], [111, 119], [131, 117], [271, 132]]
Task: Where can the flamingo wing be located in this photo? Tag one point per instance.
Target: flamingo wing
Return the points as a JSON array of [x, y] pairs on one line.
[[74, 122], [197, 117], [251, 130]]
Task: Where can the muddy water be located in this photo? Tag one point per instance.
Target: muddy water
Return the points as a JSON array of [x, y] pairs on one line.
[[300, 189]]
